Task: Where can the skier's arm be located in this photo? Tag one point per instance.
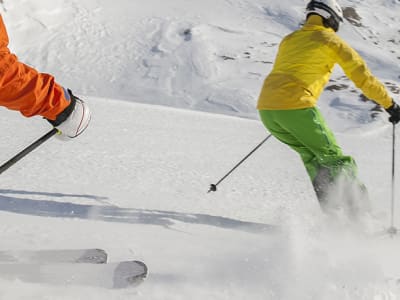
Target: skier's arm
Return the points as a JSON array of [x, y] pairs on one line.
[[356, 69], [24, 89]]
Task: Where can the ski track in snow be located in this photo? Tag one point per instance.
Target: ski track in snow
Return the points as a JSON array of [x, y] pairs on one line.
[[136, 183]]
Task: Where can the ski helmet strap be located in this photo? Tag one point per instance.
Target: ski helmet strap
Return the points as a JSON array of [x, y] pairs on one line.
[[331, 23]]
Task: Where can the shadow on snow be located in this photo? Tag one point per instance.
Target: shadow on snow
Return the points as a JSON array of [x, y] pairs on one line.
[[108, 213]]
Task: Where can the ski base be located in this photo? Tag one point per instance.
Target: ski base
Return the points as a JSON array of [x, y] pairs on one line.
[[92, 256]]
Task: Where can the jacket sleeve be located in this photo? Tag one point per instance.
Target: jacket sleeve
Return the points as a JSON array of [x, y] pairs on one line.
[[356, 69], [24, 89]]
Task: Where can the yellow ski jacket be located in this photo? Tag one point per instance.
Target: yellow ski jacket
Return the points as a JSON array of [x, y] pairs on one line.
[[304, 64]]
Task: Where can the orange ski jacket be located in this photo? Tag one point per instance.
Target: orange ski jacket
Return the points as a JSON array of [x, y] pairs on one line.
[[304, 64], [24, 89]]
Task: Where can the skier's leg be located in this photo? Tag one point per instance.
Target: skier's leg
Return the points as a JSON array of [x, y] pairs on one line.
[[336, 179], [306, 132], [280, 132]]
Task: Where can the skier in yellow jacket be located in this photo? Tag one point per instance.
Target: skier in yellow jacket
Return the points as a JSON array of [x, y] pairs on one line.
[[287, 102]]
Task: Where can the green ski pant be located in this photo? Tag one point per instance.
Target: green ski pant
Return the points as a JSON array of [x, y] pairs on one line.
[[305, 131]]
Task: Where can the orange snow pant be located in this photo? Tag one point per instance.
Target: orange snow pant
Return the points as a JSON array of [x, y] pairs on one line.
[[24, 89]]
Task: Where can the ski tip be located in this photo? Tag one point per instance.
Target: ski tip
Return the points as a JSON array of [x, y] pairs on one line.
[[129, 274], [144, 266]]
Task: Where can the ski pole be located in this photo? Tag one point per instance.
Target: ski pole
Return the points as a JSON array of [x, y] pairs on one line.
[[213, 187], [393, 230], [27, 150]]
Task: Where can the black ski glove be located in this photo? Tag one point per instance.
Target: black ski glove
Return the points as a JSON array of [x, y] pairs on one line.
[[394, 112]]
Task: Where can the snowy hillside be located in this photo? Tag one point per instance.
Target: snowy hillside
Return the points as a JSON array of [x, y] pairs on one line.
[[136, 183], [210, 56]]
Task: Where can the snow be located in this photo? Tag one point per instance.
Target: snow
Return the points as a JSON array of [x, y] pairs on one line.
[[173, 88]]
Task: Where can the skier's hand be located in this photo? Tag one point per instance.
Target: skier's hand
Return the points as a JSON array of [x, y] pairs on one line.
[[394, 112], [73, 120]]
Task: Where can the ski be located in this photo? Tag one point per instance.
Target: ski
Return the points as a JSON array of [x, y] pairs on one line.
[[93, 256], [112, 275]]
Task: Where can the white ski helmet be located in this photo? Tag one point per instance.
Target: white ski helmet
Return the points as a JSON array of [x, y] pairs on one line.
[[329, 10]]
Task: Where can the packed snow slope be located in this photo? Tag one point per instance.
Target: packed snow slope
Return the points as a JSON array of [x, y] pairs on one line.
[[135, 184], [137, 188]]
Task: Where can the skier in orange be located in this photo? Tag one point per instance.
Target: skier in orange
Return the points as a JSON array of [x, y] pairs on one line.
[[24, 89]]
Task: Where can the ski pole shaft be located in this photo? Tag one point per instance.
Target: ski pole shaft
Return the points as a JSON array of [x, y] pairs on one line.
[[213, 187], [392, 230], [27, 150]]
